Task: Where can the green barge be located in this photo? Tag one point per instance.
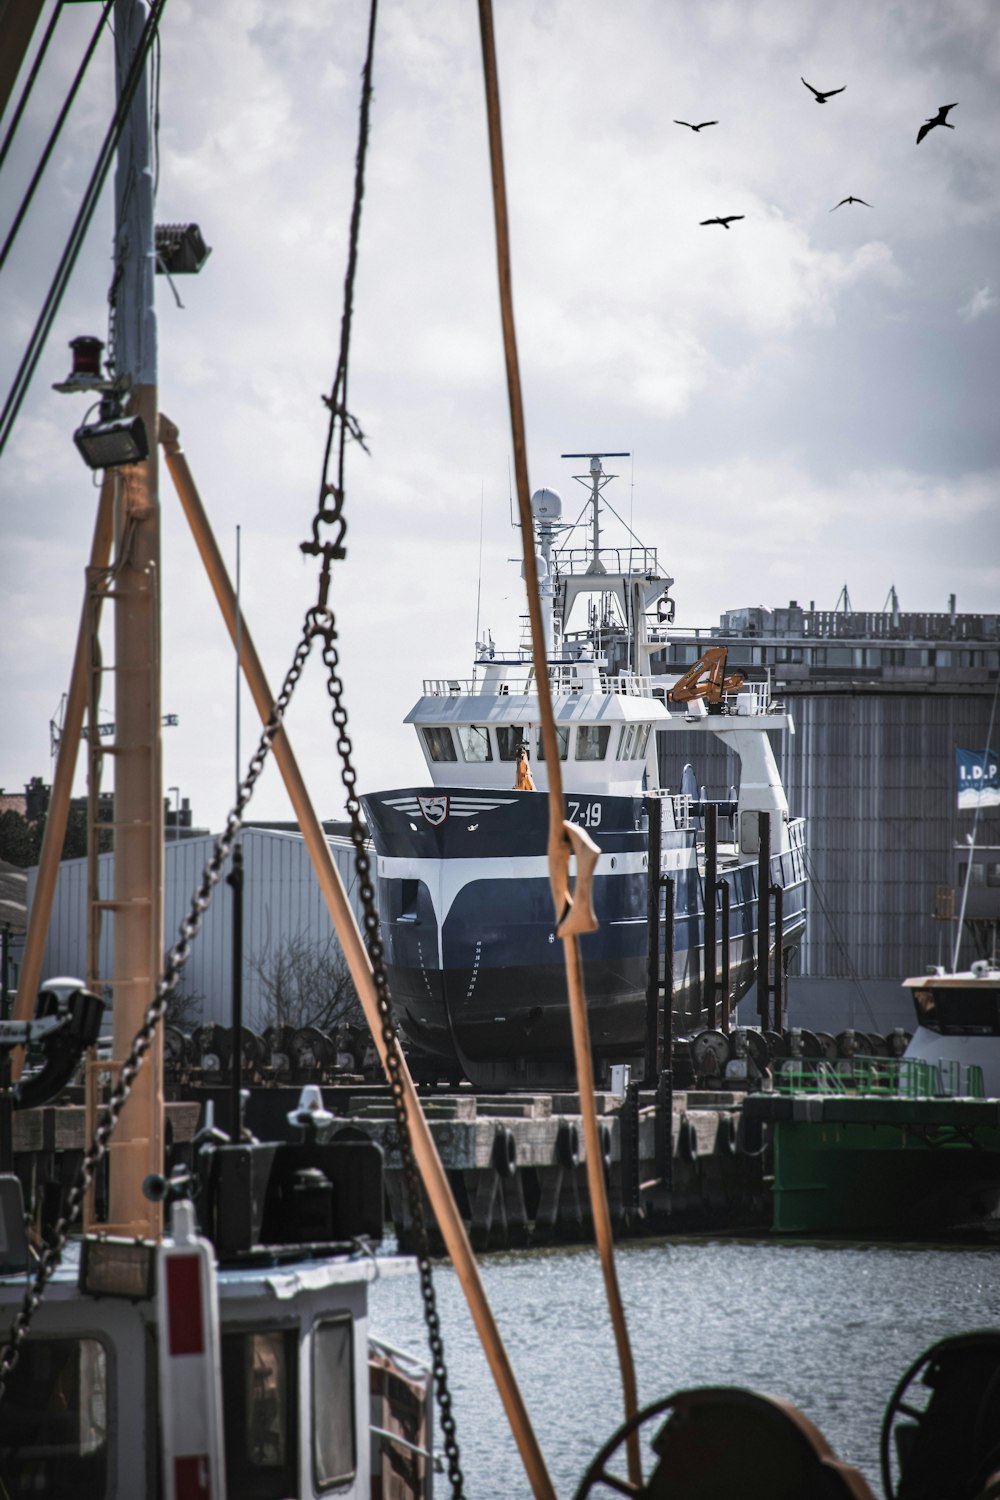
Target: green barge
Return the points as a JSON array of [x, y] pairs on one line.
[[905, 1147]]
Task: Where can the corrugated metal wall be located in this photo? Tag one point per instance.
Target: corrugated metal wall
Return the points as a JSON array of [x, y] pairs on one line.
[[874, 775], [282, 900]]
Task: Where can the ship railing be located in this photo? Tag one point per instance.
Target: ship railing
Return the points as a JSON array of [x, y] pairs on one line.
[[580, 560], [563, 681], [885, 1077], [756, 699], [684, 818]]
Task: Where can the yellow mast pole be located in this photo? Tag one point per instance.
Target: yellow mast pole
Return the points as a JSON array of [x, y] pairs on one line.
[[136, 1149], [570, 922], [424, 1150]]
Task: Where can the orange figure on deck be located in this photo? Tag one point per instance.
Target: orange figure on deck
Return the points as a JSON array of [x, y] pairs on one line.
[[522, 776]]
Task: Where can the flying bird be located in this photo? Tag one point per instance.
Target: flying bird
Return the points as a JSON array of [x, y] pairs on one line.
[[848, 200], [696, 128], [821, 98], [725, 221], [938, 119]]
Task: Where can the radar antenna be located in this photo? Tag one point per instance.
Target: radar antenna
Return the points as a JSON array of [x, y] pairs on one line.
[[597, 479]]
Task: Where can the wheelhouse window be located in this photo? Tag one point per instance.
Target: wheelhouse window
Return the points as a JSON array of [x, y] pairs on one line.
[[260, 1398], [439, 743], [54, 1421], [632, 741], [509, 736], [592, 741], [334, 1457], [959, 1011], [475, 742], [562, 740]]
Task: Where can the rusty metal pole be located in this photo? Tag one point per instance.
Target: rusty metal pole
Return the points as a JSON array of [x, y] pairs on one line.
[[429, 1163], [764, 918], [654, 1030], [709, 885], [62, 782], [136, 1150], [724, 892], [779, 931]]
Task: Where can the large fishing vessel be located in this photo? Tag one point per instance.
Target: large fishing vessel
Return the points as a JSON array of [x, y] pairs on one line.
[[466, 912]]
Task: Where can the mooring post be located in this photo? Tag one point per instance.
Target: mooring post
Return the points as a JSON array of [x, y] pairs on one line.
[[667, 1026], [711, 815], [654, 1033], [235, 881], [779, 930], [665, 1077], [726, 986], [763, 918]]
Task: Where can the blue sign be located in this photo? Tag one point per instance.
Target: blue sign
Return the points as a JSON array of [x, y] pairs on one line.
[[978, 779]]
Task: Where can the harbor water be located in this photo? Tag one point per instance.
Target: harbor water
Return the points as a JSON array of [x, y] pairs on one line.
[[830, 1327]]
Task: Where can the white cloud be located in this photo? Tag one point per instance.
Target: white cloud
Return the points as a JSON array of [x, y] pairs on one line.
[[982, 301], [637, 328]]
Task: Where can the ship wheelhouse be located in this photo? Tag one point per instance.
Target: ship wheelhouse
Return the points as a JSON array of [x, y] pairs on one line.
[[471, 732]]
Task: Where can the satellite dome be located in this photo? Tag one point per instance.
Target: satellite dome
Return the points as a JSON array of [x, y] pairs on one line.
[[546, 505]]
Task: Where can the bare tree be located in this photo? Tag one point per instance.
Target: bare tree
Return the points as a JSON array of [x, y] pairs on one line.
[[305, 984]]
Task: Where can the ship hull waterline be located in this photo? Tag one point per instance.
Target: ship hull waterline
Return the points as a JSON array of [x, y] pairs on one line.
[[475, 970]]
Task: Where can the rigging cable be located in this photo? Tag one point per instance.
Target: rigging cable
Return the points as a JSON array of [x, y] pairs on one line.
[[559, 831], [64, 270], [54, 134], [30, 82]]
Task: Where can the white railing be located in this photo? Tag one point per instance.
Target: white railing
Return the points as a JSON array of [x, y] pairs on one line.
[[624, 684]]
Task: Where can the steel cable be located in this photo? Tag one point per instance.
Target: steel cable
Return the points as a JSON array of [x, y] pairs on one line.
[[54, 134], [29, 82], [50, 307]]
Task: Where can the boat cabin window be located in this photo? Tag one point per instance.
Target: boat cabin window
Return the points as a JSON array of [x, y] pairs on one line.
[[260, 1398], [592, 741], [439, 743], [632, 742], [54, 1421], [509, 736], [562, 739], [334, 1456], [475, 742], [958, 1011]]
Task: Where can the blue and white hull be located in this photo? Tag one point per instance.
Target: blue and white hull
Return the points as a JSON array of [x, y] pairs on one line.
[[476, 972]]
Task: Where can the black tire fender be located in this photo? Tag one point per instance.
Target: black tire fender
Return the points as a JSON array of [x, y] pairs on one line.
[[504, 1155], [568, 1144], [727, 1138], [687, 1139]]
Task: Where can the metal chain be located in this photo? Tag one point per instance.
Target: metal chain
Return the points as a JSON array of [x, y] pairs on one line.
[[143, 1040], [324, 624]]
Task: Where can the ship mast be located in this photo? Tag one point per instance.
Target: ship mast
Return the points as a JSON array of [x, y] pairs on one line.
[[136, 1149]]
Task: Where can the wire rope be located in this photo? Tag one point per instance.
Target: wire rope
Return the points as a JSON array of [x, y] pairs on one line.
[[54, 134], [29, 82], [50, 307]]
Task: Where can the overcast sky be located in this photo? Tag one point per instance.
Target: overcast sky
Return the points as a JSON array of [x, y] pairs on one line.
[[809, 398]]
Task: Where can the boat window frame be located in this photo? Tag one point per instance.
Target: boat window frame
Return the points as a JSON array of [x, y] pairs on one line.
[[562, 738], [583, 732], [520, 735], [105, 1477], [625, 742], [261, 1481], [470, 729], [432, 745], [341, 1320]]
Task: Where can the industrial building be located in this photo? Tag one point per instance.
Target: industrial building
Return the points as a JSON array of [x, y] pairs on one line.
[[880, 702]]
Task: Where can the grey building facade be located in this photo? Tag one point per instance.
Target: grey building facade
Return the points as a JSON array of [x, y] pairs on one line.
[[881, 702]]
